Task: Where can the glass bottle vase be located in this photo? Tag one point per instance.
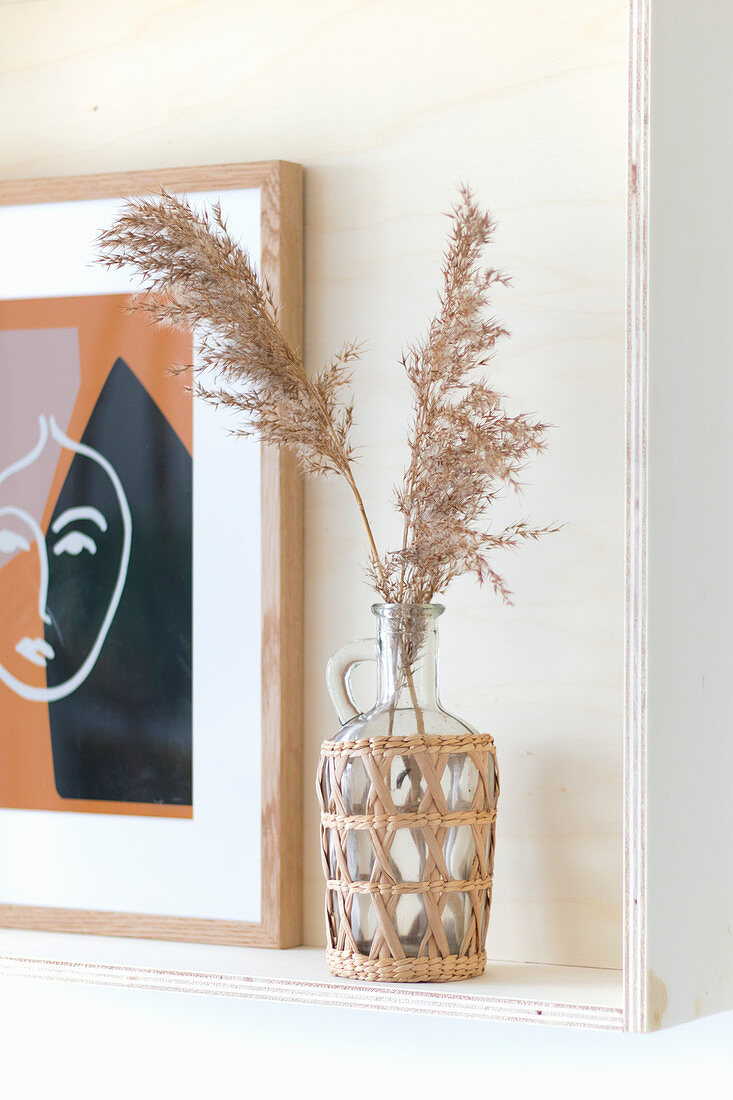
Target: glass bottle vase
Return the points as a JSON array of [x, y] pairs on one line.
[[408, 704]]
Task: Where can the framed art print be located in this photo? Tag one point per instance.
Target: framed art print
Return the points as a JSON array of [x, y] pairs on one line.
[[150, 588]]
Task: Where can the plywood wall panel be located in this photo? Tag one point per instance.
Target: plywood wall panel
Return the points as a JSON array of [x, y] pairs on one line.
[[389, 106]]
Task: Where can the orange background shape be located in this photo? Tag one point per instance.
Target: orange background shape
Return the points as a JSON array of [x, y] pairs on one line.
[[107, 331]]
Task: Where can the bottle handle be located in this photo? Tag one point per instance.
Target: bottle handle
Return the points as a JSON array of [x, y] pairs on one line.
[[338, 676]]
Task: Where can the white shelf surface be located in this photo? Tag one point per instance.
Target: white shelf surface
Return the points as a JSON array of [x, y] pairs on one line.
[[510, 992]]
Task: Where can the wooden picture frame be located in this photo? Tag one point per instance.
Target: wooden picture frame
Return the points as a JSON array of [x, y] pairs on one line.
[[281, 235]]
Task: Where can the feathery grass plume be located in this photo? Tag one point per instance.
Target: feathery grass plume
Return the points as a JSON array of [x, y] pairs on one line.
[[196, 277], [464, 448], [199, 278]]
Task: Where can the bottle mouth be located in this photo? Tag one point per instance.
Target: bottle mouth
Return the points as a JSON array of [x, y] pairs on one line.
[[408, 610]]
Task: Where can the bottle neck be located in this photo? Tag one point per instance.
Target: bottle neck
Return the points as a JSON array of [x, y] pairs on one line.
[[407, 641]]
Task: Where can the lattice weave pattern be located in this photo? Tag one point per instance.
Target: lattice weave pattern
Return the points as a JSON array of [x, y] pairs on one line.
[[430, 821]]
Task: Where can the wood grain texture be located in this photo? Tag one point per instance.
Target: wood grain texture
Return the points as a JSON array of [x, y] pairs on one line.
[[105, 185], [526, 109], [530, 109], [282, 590], [281, 190], [544, 677], [678, 957], [137, 925], [637, 366], [507, 992]]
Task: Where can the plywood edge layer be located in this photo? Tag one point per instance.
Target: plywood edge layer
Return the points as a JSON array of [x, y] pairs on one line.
[[408, 1000], [635, 735]]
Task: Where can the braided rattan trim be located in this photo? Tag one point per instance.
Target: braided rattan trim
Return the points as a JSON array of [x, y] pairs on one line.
[[429, 825], [392, 822], [399, 746], [453, 968], [396, 889]]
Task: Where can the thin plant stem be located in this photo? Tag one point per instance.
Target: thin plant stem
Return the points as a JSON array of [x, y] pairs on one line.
[[349, 475], [413, 696]]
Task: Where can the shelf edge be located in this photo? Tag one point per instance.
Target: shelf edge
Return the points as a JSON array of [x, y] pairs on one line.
[[294, 991]]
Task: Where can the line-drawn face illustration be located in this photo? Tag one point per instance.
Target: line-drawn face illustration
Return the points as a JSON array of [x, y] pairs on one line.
[[86, 550], [96, 561]]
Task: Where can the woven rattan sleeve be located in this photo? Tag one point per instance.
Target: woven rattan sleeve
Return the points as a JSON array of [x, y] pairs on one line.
[[430, 819]]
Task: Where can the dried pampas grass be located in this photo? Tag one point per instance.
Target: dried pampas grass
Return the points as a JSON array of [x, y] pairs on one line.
[[464, 447]]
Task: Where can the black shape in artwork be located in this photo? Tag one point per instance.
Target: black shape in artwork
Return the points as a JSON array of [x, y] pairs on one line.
[[125, 734]]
